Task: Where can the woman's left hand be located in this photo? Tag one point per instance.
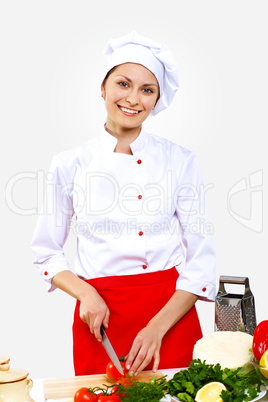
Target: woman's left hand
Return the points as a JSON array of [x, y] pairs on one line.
[[146, 346]]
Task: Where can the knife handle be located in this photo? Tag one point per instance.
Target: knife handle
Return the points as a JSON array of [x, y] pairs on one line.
[[102, 329]]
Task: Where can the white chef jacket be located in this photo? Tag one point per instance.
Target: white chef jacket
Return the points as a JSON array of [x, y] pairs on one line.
[[132, 214]]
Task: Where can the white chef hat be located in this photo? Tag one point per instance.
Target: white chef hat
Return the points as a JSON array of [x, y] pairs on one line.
[[135, 48]]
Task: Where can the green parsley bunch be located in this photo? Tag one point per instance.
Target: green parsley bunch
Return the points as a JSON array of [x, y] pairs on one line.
[[241, 387]]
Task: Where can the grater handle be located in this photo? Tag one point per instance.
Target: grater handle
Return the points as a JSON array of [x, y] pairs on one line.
[[238, 280]]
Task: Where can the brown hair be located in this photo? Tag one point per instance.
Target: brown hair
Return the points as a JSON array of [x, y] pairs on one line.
[[109, 72]]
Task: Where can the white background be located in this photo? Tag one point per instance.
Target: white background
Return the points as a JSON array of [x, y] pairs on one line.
[[51, 70]]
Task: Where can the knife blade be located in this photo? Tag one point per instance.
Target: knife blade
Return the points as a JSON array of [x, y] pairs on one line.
[[110, 350]]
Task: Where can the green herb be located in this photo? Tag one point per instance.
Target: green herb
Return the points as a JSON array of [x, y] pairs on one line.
[[151, 391], [133, 390], [240, 386], [184, 397]]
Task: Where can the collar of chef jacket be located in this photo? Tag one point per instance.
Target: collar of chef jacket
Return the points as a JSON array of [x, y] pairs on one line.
[[109, 142]]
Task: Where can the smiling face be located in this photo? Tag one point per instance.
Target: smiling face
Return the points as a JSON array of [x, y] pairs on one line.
[[130, 92]]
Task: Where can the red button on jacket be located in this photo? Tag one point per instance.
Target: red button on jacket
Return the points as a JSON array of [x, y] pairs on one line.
[[144, 266], [139, 161], [204, 289], [140, 233]]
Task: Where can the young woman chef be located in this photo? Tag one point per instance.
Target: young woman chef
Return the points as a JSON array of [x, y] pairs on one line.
[[138, 201]]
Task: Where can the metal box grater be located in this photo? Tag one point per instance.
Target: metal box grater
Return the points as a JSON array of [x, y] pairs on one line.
[[235, 312]]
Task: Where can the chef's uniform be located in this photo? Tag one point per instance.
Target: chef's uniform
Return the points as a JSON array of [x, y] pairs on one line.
[[142, 232]]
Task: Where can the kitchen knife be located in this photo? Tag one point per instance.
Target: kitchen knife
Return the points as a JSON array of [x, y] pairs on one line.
[[110, 350]]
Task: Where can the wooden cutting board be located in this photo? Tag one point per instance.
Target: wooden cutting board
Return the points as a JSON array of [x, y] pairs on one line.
[[63, 389]]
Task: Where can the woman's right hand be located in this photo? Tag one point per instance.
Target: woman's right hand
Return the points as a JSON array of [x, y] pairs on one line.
[[94, 311]]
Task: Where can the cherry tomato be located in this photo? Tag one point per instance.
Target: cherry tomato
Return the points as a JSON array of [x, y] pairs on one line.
[[108, 398], [260, 339], [115, 390], [112, 372], [84, 395]]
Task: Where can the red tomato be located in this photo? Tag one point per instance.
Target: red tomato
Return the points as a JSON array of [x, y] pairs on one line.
[[83, 395], [260, 339], [108, 398], [112, 372], [115, 390]]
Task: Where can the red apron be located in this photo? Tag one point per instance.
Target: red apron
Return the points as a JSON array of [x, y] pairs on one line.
[[133, 300]]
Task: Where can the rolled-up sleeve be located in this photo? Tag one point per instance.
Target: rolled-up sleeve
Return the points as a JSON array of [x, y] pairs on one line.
[[198, 275], [53, 225]]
